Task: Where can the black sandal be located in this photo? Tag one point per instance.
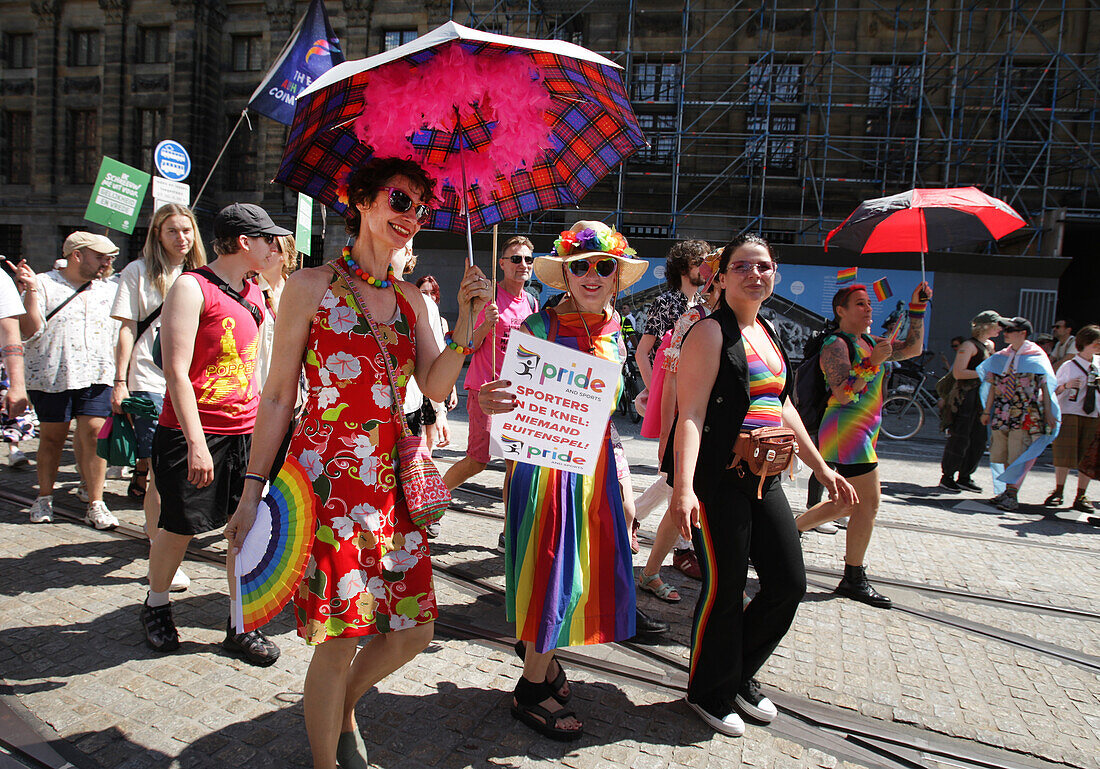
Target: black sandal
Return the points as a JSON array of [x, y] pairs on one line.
[[134, 491], [559, 681], [527, 709]]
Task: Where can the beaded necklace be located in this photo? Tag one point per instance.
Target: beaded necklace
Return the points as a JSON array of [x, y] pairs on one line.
[[362, 274]]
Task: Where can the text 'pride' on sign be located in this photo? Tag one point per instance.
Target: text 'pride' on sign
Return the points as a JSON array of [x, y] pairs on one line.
[[564, 399]]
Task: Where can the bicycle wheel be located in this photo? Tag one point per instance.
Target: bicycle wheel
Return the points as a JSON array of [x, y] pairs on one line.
[[902, 417]]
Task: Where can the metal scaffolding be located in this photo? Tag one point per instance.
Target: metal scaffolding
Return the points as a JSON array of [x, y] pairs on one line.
[[781, 119]]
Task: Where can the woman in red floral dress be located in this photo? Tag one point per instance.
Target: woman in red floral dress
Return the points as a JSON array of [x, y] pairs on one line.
[[369, 573]]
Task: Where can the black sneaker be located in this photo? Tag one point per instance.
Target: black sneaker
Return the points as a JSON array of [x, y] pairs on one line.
[[969, 485], [859, 589], [754, 704], [949, 485], [256, 648], [160, 629], [502, 548]]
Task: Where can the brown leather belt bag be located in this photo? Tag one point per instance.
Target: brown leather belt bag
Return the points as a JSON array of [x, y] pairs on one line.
[[766, 451]]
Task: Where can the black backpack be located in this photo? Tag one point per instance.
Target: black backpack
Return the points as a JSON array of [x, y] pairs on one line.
[[810, 392]]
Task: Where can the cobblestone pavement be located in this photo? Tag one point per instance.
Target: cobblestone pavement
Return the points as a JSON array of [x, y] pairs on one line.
[[72, 652]]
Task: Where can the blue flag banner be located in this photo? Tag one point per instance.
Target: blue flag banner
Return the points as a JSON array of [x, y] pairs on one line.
[[312, 50]]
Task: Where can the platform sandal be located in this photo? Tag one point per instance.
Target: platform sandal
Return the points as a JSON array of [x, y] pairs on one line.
[[559, 681], [526, 708], [662, 589], [136, 490]]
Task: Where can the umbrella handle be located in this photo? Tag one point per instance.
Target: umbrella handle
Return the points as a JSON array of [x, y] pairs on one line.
[[923, 295], [465, 187], [493, 354]]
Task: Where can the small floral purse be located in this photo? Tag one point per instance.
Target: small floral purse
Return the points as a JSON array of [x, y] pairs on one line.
[[426, 496]]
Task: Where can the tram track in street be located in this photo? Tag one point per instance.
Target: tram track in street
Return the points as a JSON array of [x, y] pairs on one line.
[[846, 735], [948, 592]]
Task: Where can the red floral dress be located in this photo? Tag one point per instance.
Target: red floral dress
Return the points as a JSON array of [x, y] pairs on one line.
[[369, 571]]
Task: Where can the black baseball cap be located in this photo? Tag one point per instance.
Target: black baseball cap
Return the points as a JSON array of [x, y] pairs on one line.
[[1018, 324], [245, 219]]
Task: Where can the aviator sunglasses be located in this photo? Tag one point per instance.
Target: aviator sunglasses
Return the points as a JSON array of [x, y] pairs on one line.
[[605, 268], [400, 202], [518, 258]]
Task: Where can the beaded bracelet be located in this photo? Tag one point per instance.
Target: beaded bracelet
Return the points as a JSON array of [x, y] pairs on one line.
[[255, 477], [449, 339], [916, 310]]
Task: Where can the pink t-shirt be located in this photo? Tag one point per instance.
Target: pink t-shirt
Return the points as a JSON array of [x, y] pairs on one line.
[[223, 365], [513, 311]]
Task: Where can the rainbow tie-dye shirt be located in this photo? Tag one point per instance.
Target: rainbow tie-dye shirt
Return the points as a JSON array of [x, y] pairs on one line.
[[849, 431]]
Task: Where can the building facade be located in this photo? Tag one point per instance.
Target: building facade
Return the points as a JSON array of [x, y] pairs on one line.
[[759, 117]]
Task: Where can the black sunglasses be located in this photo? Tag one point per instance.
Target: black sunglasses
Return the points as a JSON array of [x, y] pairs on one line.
[[401, 202], [605, 268], [517, 258]]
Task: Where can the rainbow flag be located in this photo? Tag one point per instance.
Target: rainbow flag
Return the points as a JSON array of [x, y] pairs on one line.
[[846, 275], [882, 289]]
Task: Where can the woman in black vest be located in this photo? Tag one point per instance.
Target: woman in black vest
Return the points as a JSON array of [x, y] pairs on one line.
[[741, 378]]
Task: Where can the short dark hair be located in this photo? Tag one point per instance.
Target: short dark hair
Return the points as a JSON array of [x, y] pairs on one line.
[[744, 239], [840, 298], [226, 246], [681, 258], [1087, 336], [367, 180], [958, 339], [1070, 322]]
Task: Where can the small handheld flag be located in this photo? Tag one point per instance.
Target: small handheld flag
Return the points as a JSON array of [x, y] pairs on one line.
[[897, 327], [846, 275], [882, 289]]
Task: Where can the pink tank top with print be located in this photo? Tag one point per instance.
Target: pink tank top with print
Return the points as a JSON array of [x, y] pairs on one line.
[[223, 365]]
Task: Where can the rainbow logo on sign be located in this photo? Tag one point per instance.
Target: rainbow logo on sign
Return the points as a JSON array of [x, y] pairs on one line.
[[528, 362], [510, 445], [882, 289], [321, 47], [846, 275]]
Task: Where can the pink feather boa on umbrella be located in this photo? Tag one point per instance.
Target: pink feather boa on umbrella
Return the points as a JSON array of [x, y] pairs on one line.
[[506, 88]]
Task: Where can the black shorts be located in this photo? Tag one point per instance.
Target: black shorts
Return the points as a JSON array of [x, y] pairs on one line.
[[854, 471], [184, 508]]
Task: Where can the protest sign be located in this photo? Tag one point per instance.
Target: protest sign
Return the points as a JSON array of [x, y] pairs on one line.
[[303, 229], [117, 195], [565, 399]]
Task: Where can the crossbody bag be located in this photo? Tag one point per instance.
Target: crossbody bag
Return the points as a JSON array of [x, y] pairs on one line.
[[426, 496]]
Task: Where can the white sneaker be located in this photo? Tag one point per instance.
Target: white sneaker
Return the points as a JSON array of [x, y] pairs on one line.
[[115, 472], [827, 528], [82, 493], [180, 581], [432, 529], [731, 724], [99, 516], [754, 704], [42, 510], [17, 458]]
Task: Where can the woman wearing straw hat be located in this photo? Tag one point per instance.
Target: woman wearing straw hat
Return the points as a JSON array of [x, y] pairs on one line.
[[563, 520]]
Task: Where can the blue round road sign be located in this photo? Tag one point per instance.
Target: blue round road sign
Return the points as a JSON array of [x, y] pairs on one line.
[[172, 160]]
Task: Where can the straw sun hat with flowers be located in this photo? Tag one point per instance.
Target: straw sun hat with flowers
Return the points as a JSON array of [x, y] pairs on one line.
[[585, 239]]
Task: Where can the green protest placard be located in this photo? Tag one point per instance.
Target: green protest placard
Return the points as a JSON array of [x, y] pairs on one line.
[[303, 232], [117, 196]]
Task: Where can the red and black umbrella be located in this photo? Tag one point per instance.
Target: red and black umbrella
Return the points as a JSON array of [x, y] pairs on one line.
[[925, 220]]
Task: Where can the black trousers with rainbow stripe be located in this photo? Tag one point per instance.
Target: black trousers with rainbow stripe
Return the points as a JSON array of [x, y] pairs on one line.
[[730, 644]]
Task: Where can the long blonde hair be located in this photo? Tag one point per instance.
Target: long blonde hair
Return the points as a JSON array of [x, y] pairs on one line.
[[156, 260], [290, 253]]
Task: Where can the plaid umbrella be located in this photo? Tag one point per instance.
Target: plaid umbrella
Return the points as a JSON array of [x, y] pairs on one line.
[[585, 116]]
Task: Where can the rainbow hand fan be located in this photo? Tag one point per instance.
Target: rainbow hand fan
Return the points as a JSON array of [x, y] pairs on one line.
[[274, 554]]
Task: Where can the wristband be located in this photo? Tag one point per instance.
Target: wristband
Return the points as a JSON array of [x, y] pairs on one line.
[[119, 380], [255, 477], [916, 310], [449, 339]]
